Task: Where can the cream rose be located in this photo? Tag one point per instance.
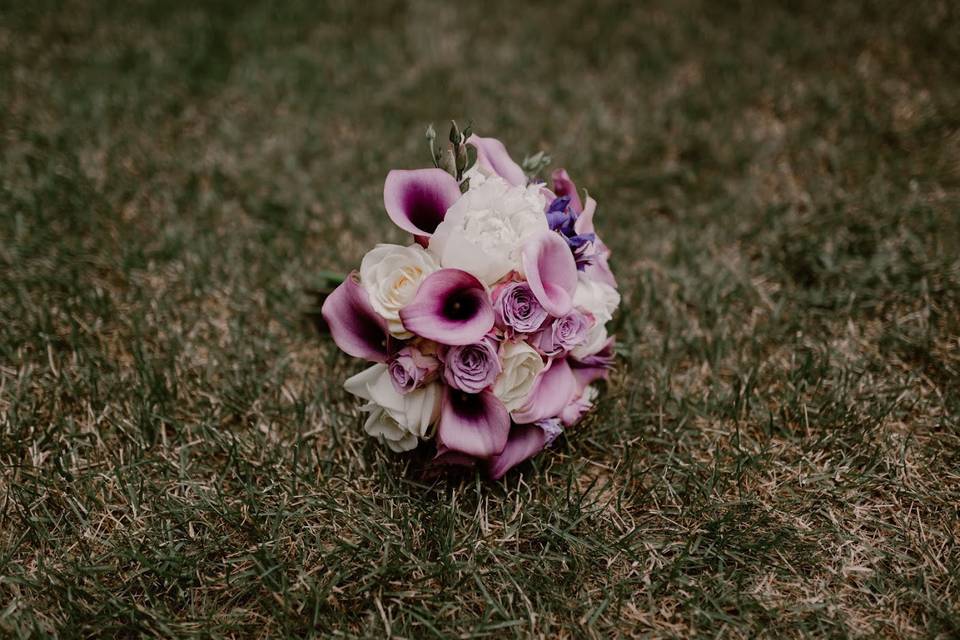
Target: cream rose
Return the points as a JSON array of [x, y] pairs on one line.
[[599, 300], [521, 366], [484, 230], [391, 275], [398, 420], [596, 298]]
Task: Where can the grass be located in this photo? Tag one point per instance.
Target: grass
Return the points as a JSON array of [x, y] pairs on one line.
[[777, 455]]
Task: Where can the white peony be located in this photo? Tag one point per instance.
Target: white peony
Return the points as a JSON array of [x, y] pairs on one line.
[[599, 300], [391, 275], [484, 230], [397, 420], [521, 366]]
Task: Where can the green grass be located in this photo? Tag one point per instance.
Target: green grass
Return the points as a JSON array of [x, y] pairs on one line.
[[778, 453]]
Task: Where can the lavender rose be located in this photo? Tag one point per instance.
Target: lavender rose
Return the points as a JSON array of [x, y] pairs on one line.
[[472, 367], [563, 334], [518, 309], [411, 369]]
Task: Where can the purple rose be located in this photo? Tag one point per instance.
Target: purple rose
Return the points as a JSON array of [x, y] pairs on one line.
[[410, 369], [472, 367], [518, 309], [563, 334]]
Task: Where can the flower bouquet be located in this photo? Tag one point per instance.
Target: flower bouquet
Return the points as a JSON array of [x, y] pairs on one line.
[[488, 330]]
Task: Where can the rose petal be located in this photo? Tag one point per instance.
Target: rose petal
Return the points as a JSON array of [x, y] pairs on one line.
[[355, 327], [553, 390], [551, 271], [417, 200], [492, 156], [564, 186], [475, 424], [451, 307], [525, 441]]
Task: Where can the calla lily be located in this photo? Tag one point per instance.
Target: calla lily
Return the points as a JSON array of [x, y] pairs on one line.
[[594, 367], [476, 424], [564, 186], [354, 325], [525, 441], [492, 157], [551, 271], [584, 223], [552, 391], [451, 307], [417, 200]]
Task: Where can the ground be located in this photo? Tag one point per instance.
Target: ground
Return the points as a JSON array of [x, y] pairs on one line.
[[778, 453]]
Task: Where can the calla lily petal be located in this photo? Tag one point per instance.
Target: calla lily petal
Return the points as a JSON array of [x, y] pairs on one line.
[[450, 457], [492, 157], [552, 391], [451, 307], [594, 367], [584, 223], [564, 186], [355, 327], [551, 271], [525, 441], [476, 424], [417, 200]]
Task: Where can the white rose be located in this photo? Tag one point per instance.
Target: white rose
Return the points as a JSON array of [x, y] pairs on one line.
[[596, 298], [391, 275], [398, 420], [521, 366], [596, 338], [484, 230]]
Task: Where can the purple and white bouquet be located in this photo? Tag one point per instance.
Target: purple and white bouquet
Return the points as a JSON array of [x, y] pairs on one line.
[[489, 330]]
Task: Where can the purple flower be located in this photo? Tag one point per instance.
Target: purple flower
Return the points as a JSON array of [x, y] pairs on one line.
[[451, 307], [492, 157], [410, 369], [563, 334], [417, 200], [552, 428], [562, 218], [517, 308], [354, 325], [551, 271], [475, 424], [472, 367]]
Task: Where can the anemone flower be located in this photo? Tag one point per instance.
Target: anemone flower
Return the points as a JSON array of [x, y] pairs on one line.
[[417, 200], [524, 442], [552, 391], [451, 307], [551, 271], [355, 327], [493, 158], [476, 424]]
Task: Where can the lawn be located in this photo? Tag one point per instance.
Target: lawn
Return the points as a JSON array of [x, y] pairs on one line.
[[777, 454]]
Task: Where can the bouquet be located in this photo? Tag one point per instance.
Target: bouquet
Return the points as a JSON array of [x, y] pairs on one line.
[[488, 331]]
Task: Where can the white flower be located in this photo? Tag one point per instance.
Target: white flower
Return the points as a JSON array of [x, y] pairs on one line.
[[596, 298], [599, 300], [484, 230], [521, 366], [391, 275], [594, 342], [398, 420]]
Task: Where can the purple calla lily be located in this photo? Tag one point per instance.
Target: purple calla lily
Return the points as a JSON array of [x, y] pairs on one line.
[[564, 186], [552, 391], [417, 200], [354, 325], [525, 441], [594, 367], [492, 157], [476, 424], [451, 307], [551, 271]]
